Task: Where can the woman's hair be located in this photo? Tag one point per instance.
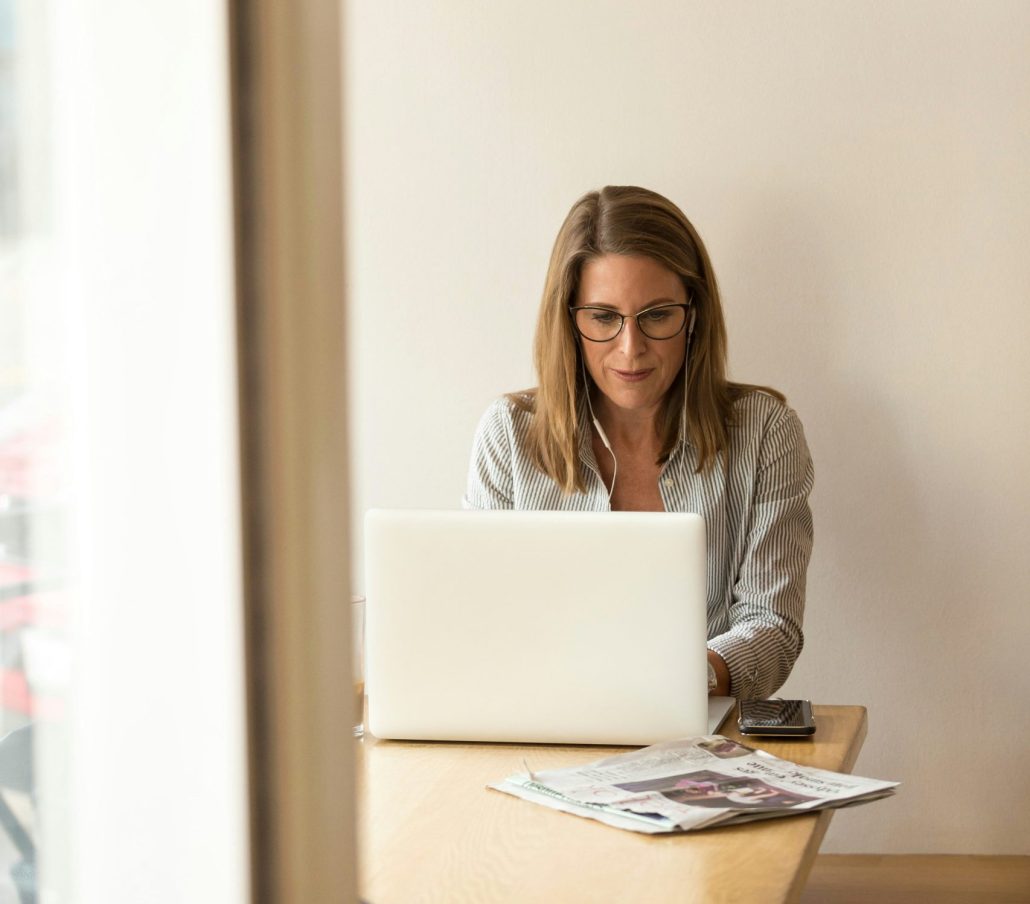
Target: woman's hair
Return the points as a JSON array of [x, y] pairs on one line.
[[627, 220]]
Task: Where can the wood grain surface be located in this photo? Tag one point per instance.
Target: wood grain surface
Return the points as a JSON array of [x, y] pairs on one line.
[[431, 831]]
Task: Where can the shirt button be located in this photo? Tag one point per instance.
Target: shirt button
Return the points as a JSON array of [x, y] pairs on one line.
[[668, 481]]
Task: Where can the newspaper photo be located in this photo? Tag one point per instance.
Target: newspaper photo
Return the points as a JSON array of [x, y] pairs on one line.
[[696, 783]]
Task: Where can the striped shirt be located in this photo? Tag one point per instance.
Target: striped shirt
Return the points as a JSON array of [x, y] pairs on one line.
[[754, 501]]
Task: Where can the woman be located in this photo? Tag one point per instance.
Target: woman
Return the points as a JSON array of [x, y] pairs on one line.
[[633, 412]]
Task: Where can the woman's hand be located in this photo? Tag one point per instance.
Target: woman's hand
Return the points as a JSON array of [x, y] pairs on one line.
[[722, 675]]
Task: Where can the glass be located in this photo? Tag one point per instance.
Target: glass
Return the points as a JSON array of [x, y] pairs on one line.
[[603, 324], [357, 611], [35, 472], [102, 586]]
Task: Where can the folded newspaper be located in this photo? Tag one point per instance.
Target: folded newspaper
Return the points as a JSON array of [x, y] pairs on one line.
[[696, 783]]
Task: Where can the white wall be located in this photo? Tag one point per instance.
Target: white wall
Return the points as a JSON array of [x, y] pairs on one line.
[[860, 175]]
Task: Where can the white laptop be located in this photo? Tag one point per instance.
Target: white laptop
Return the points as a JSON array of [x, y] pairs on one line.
[[552, 627]]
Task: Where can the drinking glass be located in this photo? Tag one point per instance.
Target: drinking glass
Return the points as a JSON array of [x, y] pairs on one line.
[[357, 611]]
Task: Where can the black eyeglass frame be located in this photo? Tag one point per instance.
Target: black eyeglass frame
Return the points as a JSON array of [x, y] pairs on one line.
[[622, 324]]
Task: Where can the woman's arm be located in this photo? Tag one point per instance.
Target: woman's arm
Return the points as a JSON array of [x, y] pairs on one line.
[[765, 637]]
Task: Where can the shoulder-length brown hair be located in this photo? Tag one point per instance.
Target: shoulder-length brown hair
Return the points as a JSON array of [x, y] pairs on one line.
[[627, 220]]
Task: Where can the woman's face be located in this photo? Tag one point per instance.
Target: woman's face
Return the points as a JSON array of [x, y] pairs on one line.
[[632, 371]]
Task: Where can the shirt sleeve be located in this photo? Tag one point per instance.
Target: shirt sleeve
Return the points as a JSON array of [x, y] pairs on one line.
[[490, 482], [765, 638]]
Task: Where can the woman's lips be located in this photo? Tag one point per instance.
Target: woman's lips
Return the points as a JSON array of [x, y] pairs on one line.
[[633, 376]]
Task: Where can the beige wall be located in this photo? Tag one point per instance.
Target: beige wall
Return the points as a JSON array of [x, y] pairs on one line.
[[860, 174]]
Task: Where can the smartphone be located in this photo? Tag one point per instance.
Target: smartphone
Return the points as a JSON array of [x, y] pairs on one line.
[[776, 717]]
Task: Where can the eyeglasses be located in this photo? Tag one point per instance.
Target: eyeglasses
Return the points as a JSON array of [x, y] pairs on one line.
[[603, 324]]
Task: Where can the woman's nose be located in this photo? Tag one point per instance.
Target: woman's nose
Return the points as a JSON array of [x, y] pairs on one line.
[[632, 338]]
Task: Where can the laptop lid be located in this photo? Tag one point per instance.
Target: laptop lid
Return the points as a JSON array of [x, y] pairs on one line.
[[554, 627]]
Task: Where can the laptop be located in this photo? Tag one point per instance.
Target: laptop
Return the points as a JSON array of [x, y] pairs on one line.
[[549, 627]]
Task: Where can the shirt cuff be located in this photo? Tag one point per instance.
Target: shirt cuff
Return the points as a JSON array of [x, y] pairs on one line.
[[740, 661]]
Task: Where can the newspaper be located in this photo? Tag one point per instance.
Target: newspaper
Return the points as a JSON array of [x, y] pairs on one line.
[[696, 783]]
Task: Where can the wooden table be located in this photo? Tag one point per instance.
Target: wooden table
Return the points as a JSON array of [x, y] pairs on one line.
[[430, 830]]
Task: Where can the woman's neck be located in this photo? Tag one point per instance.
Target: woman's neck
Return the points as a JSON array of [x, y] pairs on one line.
[[629, 430]]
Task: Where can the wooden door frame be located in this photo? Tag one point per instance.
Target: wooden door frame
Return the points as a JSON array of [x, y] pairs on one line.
[[288, 183]]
